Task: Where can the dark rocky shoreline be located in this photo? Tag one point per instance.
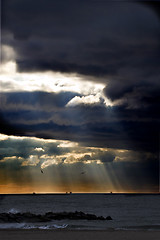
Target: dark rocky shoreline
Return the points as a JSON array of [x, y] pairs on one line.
[[49, 216]]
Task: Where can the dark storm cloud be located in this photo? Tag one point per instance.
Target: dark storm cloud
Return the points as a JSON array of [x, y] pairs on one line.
[[43, 101], [154, 5], [134, 96], [116, 41], [81, 36], [114, 127]]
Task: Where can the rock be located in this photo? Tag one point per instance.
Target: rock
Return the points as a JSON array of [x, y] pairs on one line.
[[30, 217], [109, 218]]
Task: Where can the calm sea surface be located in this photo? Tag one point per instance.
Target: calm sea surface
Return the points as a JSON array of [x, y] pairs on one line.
[[127, 211]]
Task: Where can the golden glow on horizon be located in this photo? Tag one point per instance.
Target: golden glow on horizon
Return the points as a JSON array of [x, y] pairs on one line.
[[15, 189]]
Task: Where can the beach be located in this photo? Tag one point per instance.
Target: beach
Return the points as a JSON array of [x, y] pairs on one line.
[[77, 235]]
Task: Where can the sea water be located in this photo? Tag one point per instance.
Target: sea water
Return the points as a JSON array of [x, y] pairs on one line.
[[128, 211]]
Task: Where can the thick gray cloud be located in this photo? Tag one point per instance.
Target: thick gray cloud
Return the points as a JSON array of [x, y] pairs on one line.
[[101, 39]]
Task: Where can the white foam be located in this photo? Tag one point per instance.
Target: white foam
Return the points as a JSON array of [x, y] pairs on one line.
[[53, 226], [30, 226], [13, 211]]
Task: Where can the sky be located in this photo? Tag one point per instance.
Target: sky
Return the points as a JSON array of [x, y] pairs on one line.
[[79, 102]]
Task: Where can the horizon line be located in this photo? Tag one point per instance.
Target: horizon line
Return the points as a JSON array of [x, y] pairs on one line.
[[70, 193]]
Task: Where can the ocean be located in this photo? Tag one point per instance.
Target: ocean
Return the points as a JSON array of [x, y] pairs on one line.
[[128, 211]]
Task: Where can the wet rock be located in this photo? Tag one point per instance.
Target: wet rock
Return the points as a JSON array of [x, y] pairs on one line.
[[30, 217], [109, 218]]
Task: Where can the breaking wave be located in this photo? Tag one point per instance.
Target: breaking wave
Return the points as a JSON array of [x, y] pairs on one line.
[[13, 211], [31, 226]]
